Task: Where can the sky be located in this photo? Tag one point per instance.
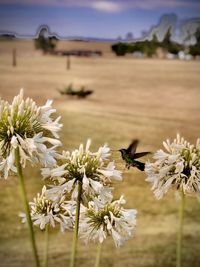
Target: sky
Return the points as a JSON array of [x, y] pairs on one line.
[[91, 18]]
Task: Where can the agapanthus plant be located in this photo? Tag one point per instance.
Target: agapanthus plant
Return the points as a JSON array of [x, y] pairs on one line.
[[46, 211], [178, 167], [93, 169], [27, 133], [103, 219], [29, 128], [83, 174]]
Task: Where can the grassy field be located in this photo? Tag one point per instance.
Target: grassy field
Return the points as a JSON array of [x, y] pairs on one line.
[[147, 99]]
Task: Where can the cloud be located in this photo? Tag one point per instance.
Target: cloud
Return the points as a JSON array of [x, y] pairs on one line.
[[111, 6], [106, 6]]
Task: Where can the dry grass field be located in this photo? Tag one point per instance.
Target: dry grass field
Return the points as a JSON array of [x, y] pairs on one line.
[[147, 99]]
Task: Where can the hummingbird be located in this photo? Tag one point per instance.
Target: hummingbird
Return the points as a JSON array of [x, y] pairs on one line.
[[129, 155]]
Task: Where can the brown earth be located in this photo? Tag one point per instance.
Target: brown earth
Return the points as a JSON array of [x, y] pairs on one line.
[[147, 99]]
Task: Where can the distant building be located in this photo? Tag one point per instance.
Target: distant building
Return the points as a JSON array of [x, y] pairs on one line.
[[78, 53], [182, 55]]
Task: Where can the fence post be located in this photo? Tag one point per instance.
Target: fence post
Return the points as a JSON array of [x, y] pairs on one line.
[[14, 57], [68, 62]]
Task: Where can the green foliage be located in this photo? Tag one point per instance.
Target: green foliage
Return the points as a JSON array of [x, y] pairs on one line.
[[169, 45], [120, 49], [44, 42], [167, 39], [155, 39], [195, 49], [197, 36], [148, 47], [174, 48]]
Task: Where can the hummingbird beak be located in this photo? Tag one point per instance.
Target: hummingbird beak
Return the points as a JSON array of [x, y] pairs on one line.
[[114, 150]]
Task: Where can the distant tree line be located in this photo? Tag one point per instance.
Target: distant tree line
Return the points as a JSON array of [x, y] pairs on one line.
[[149, 47], [47, 43]]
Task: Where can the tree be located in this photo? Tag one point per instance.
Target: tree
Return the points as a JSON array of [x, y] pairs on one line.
[[197, 36], [154, 39], [195, 49], [175, 48], [167, 39], [120, 49], [45, 42]]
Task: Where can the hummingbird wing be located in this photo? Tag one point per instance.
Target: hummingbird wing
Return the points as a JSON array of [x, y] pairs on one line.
[[132, 147], [142, 154]]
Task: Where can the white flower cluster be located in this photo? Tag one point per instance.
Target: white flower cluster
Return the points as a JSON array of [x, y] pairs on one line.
[[31, 131], [101, 219], [93, 170], [100, 216], [177, 167], [30, 128], [45, 211]]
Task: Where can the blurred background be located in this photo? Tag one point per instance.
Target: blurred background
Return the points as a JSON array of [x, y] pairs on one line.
[[116, 70]]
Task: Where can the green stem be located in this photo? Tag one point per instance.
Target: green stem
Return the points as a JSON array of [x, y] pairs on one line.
[[46, 246], [98, 255], [75, 236], [180, 230], [26, 206]]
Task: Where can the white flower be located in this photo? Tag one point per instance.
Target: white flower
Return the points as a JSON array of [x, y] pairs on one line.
[[103, 152], [7, 164], [102, 219], [93, 170], [25, 125], [178, 167], [56, 172], [53, 127], [110, 172], [47, 211], [105, 194]]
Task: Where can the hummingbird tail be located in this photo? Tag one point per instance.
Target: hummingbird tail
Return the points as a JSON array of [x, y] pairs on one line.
[[140, 166]]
